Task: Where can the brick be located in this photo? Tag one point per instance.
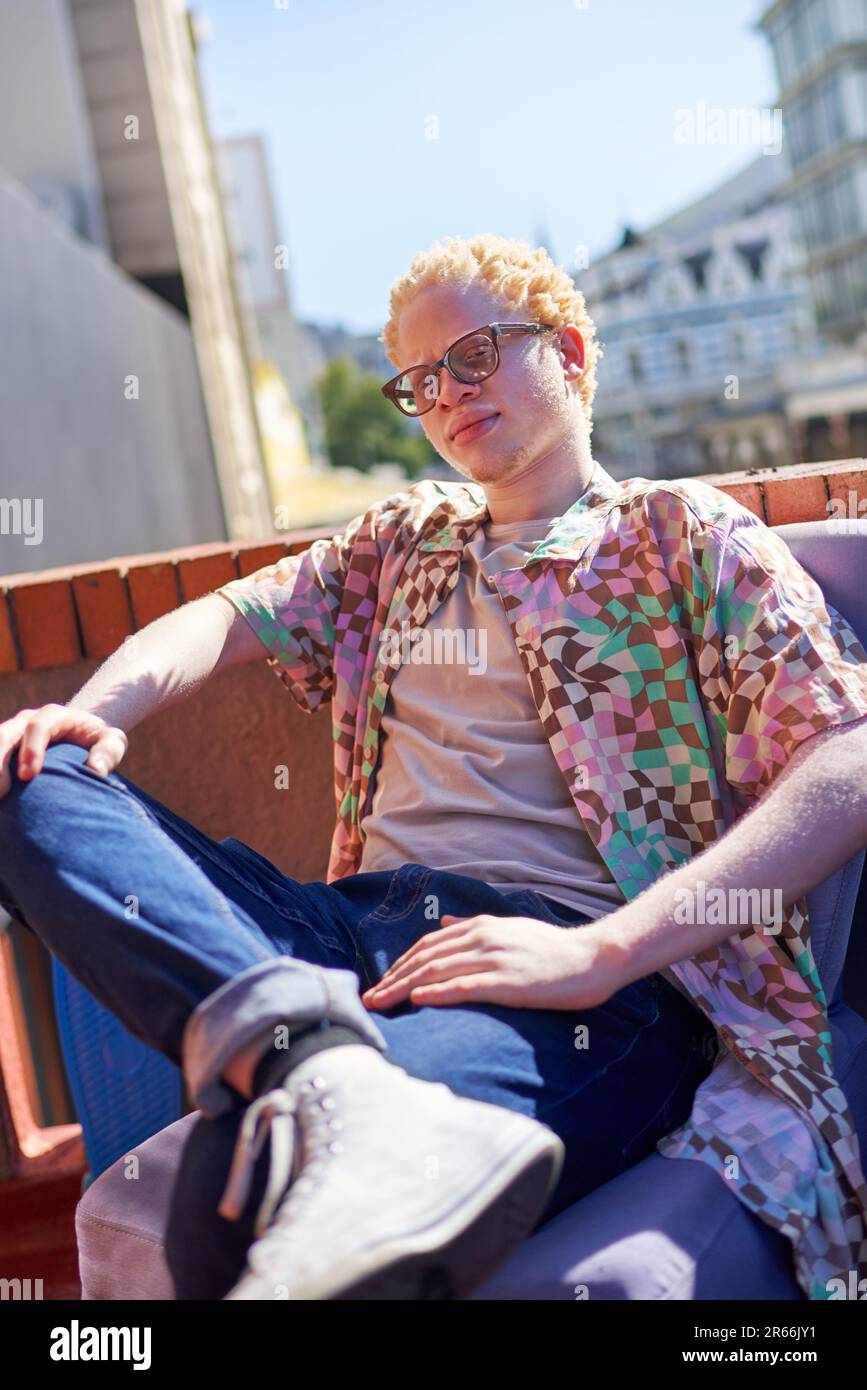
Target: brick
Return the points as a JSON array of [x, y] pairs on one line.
[[39, 614], [44, 615], [153, 592], [103, 611], [8, 651], [258, 556], [749, 495], [296, 541], [849, 490], [200, 576], [798, 498]]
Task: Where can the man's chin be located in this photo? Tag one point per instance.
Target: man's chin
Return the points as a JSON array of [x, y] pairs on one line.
[[479, 470]]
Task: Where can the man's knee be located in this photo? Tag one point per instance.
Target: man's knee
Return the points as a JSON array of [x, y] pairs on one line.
[[62, 757], [32, 803]]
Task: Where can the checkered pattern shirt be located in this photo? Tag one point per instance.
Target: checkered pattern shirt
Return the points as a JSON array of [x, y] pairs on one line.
[[677, 655]]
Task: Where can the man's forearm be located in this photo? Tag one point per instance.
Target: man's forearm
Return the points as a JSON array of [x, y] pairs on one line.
[[811, 821], [166, 662]]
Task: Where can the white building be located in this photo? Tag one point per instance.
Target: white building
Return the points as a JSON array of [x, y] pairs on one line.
[[820, 52], [694, 316]]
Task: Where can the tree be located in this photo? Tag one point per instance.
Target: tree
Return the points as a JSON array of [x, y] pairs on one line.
[[362, 428]]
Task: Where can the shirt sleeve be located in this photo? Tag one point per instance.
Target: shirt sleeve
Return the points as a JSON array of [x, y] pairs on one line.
[[294, 605], [777, 662]]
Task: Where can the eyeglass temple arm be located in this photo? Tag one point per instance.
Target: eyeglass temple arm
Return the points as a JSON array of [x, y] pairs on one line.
[[521, 327]]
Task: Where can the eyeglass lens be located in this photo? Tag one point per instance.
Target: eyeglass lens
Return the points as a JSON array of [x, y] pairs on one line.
[[473, 359]]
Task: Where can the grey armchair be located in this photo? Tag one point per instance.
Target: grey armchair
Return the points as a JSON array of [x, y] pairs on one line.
[[665, 1228]]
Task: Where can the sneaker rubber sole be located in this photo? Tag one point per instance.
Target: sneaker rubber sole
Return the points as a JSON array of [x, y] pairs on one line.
[[457, 1252]]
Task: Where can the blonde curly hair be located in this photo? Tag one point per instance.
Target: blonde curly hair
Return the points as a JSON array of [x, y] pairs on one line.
[[527, 282]]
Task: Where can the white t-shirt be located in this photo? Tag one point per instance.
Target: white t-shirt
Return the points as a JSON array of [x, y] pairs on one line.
[[466, 779]]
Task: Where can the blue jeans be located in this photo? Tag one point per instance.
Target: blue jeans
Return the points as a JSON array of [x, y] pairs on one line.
[[198, 945]]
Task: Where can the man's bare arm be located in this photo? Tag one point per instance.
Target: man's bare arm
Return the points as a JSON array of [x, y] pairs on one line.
[[810, 822], [167, 661]]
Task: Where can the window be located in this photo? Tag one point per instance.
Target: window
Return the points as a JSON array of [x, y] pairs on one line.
[[696, 266], [850, 19], [835, 118], [853, 94], [738, 341], [784, 48], [753, 254]]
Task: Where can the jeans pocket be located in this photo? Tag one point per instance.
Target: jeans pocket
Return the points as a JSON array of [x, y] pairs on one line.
[[529, 903], [384, 934], [404, 890]]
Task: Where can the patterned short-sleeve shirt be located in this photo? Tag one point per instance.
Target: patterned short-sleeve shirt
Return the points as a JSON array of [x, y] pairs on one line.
[[677, 655]]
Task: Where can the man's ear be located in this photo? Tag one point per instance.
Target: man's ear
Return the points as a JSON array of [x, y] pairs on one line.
[[571, 349]]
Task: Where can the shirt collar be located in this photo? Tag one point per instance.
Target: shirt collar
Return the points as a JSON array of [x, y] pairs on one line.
[[568, 535]]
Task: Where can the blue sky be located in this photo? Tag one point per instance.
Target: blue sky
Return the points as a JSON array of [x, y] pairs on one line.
[[554, 121]]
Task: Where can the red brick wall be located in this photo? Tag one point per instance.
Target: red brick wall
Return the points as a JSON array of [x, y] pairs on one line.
[[58, 617]]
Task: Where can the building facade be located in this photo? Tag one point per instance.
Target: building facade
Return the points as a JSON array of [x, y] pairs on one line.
[[124, 368], [695, 316], [820, 53]]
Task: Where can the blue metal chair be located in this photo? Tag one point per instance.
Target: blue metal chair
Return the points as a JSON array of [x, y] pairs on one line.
[[123, 1091]]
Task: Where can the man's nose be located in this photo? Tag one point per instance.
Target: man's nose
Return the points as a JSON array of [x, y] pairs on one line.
[[452, 392]]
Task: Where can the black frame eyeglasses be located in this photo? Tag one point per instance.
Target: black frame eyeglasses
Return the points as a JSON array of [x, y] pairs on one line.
[[415, 390]]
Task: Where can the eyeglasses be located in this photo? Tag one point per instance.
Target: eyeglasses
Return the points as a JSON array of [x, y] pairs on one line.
[[474, 357]]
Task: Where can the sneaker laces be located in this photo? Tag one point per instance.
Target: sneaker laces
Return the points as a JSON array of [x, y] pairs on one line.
[[274, 1114]]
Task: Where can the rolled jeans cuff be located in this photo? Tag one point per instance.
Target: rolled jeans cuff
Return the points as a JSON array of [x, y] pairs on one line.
[[282, 990]]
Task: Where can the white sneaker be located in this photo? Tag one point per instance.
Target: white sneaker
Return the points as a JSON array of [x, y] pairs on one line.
[[404, 1190]]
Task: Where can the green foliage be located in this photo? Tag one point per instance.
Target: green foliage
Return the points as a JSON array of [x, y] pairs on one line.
[[362, 428]]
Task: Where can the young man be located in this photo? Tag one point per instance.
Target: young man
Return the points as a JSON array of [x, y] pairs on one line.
[[650, 691]]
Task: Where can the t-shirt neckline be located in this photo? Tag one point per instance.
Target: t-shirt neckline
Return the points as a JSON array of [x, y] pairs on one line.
[[502, 528]]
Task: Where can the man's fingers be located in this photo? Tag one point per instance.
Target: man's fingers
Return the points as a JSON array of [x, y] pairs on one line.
[[61, 723], [50, 722], [110, 746], [410, 962], [423, 949], [32, 730], [11, 731], [433, 972], [10, 736], [481, 986]]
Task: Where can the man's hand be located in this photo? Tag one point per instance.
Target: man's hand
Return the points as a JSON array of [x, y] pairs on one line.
[[31, 731], [502, 960]]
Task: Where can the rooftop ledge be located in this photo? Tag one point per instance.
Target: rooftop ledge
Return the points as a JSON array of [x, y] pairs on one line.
[[59, 616]]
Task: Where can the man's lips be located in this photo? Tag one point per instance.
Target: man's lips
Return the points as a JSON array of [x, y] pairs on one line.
[[476, 429]]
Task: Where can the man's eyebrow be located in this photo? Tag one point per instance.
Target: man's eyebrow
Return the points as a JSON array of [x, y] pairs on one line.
[[433, 357], [422, 358]]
